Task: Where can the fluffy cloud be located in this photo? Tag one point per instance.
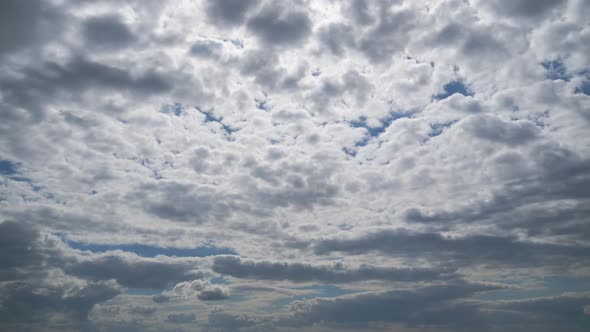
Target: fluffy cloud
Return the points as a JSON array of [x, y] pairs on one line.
[[312, 164]]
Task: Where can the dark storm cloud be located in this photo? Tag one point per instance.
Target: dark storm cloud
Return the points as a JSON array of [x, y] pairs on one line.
[[132, 271], [461, 251], [108, 31], [277, 25], [298, 272], [228, 12]]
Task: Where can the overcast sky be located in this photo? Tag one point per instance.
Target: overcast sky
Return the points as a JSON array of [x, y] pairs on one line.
[[296, 165]]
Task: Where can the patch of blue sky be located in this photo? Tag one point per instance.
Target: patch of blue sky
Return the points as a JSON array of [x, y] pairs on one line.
[[376, 131], [439, 128], [262, 104], [9, 169], [349, 151], [152, 251], [451, 88], [556, 70], [584, 88], [210, 117]]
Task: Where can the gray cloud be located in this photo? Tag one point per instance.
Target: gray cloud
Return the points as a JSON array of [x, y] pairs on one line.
[[232, 322], [496, 130], [466, 250], [389, 36], [299, 134], [143, 311], [181, 202], [337, 37], [132, 271], [277, 25], [445, 307], [228, 12], [523, 8], [181, 318], [432, 305], [298, 272], [206, 48], [213, 293], [31, 302], [20, 254], [107, 31], [36, 22], [531, 200]]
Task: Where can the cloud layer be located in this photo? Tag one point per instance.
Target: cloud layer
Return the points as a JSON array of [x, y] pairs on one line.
[[256, 165]]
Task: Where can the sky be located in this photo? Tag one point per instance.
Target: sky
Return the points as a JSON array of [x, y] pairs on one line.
[[296, 165]]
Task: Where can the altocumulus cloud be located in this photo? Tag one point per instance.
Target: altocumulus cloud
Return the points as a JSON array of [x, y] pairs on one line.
[[259, 165]]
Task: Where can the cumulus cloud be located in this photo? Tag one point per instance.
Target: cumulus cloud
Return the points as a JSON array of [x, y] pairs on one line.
[[314, 165]]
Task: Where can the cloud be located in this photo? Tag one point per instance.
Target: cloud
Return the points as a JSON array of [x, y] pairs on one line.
[[213, 294], [36, 21], [493, 129], [36, 303], [228, 12], [386, 165], [201, 289], [230, 321], [181, 318], [277, 25], [107, 32], [132, 271], [523, 8], [337, 273], [432, 305], [484, 249]]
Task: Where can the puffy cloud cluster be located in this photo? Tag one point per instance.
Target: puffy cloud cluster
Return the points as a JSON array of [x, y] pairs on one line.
[[370, 165]]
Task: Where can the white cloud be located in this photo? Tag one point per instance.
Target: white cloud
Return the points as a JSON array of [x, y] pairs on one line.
[[354, 143]]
